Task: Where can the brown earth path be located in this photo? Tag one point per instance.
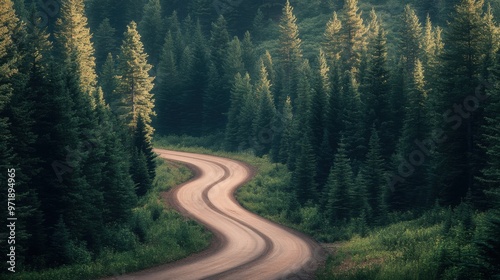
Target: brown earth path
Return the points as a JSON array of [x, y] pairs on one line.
[[245, 246]]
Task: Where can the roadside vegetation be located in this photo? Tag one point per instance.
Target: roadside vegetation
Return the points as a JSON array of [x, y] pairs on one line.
[[441, 243], [158, 235]]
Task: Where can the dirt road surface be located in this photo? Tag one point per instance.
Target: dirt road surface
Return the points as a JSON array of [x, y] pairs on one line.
[[245, 246]]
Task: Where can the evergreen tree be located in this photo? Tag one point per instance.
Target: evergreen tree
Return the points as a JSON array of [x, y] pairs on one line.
[[107, 79], [415, 128], [262, 127], [290, 52], [353, 31], [373, 174], [462, 65], [284, 142], [133, 92], [217, 95], [249, 55], [333, 39], [241, 90], [410, 34], [105, 42], [377, 89], [339, 186], [151, 28], [491, 132], [144, 145], [233, 63], [168, 103], [353, 129], [304, 174], [74, 42]]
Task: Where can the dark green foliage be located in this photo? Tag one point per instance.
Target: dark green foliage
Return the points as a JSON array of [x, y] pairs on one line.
[[374, 178], [151, 28], [304, 175], [462, 63], [144, 145], [340, 187], [266, 112], [241, 91], [105, 42]]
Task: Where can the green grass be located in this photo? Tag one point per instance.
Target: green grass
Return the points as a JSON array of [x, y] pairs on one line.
[[167, 236]]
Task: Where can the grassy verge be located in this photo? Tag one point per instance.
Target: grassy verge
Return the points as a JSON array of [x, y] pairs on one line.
[[159, 235]]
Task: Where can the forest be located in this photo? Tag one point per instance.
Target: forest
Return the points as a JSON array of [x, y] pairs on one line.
[[377, 113]]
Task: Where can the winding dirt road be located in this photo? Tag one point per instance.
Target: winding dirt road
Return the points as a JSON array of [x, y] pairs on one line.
[[246, 246]]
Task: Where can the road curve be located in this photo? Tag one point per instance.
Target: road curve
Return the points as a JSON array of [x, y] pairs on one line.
[[246, 246]]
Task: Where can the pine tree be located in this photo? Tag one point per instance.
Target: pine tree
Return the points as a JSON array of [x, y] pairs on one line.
[[339, 187], [353, 31], [410, 34], [194, 67], [416, 128], [133, 92], [74, 42], [249, 55], [353, 129], [304, 174], [168, 103], [332, 44], [217, 95], [373, 174], [262, 127], [240, 92], [319, 102], [107, 79], [139, 172], [377, 89], [105, 42], [303, 113], [462, 65], [233, 63], [491, 132], [281, 150], [290, 52], [144, 145], [151, 28]]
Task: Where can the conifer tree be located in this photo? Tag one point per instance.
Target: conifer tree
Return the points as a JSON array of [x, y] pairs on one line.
[[168, 103], [133, 92], [304, 174], [105, 42], [290, 52], [240, 92], [319, 102], [233, 63], [353, 129], [151, 28], [339, 187], [377, 89], [249, 55], [262, 127], [462, 65], [491, 133], [282, 149], [74, 43], [332, 44], [107, 79], [353, 31], [246, 121], [144, 145], [217, 94], [373, 174], [410, 34]]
